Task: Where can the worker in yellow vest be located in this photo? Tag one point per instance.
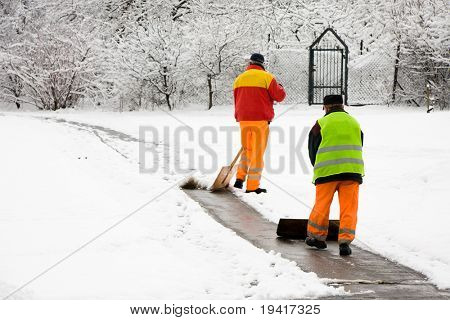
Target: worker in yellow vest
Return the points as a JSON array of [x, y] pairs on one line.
[[335, 149]]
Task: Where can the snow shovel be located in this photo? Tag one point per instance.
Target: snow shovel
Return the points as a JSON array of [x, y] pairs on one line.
[[296, 229], [225, 175]]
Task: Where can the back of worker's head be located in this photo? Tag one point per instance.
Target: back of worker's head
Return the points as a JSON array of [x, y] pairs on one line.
[[335, 101], [257, 59]]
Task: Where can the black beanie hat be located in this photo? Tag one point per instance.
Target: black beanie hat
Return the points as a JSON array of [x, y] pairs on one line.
[[257, 57], [333, 99]]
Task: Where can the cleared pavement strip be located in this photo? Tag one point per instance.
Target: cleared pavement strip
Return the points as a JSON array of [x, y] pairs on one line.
[[365, 274]]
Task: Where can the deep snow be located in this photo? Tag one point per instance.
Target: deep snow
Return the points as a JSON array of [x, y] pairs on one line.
[[62, 185], [403, 213]]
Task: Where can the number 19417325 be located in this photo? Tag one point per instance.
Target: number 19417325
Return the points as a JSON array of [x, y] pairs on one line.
[[290, 309]]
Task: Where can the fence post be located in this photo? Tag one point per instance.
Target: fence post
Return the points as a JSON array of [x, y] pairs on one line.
[[397, 61], [346, 76], [311, 77]]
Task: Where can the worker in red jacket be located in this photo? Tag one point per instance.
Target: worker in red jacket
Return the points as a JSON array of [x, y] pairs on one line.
[[255, 90]]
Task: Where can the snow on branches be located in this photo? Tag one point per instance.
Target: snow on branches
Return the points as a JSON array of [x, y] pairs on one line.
[[164, 53]]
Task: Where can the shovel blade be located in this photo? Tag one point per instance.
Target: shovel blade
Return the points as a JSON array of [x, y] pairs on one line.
[[297, 229], [223, 178]]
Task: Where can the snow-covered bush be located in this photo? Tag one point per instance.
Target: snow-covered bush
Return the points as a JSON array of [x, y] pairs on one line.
[[11, 85], [48, 57], [13, 21], [56, 70]]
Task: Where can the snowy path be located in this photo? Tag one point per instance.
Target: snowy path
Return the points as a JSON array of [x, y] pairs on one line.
[[79, 220], [364, 274], [402, 198], [403, 212]]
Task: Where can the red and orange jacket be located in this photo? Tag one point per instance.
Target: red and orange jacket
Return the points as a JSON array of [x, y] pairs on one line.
[[255, 90]]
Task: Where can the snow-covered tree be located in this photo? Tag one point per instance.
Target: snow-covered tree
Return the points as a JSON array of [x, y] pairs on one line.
[[422, 32], [56, 53], [218, 48], [149, 53], [13, 22], [50, 59]]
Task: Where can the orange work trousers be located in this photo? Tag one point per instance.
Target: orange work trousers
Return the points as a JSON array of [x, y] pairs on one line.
[[254, 136], [348, 202]]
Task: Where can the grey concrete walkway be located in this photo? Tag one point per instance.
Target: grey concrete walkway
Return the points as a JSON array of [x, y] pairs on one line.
[[366, 275]]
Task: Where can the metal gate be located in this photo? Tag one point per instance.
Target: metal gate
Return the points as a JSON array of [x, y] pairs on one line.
[[328, 71]]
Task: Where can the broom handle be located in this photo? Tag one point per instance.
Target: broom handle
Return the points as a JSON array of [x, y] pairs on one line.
[[236, 158]]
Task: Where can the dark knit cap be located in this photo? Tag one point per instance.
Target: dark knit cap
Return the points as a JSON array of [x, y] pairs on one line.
[[257, 57], [333, 99]]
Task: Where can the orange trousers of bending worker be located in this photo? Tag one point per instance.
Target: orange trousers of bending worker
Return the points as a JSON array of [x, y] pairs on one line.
[[348, 202], [254, 135]]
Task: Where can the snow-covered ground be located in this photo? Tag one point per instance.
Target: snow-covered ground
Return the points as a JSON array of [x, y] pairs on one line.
[[173, 249], [64, 185]]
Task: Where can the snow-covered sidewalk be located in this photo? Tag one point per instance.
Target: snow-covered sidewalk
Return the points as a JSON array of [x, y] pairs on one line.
[[403, 211], [62, 186]]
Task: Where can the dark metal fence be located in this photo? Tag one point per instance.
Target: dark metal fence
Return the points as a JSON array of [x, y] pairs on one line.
[[370, 76], [328, 67], [363, 77]]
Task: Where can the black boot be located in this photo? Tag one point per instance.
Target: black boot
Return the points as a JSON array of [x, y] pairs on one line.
[[313, 242], [257, 191], [239, 183], [344, 249]]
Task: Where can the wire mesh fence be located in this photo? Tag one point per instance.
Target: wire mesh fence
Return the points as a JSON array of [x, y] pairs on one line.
[[370, 76], [423, 86], [197, 89], [370, 79], [290, 67]]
